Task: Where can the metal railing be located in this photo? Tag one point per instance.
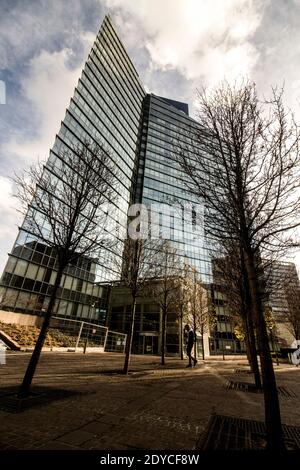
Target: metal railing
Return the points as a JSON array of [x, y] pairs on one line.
[[115, 342], [84, 336]]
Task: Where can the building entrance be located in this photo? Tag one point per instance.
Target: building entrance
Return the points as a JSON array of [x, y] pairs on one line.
[[148, 343]]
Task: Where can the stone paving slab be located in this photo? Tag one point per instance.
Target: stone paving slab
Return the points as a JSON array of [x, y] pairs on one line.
[[56, 445], [153, 408]]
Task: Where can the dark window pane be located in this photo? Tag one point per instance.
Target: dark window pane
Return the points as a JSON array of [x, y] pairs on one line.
[[17, 281], [28, 284]]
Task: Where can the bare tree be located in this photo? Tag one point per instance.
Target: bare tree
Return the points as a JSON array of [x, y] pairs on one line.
[[181, 301], [200, 310], [250, 190], [165, 286], [203, 314], [229, 274], [63, 207], [137, 268]]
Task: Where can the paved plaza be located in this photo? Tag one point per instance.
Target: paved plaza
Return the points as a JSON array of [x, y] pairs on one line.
[[153, 408]]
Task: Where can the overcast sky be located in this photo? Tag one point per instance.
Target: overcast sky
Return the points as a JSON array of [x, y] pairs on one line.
[[176, 45]]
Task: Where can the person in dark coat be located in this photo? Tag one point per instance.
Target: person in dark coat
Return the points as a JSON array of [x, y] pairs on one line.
[[189, 344]]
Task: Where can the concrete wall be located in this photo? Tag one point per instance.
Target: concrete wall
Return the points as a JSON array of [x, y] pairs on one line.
[[206, 344], [20, 318], [283, 331]]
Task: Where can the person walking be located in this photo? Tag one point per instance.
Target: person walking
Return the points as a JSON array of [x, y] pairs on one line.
[[189, 344]]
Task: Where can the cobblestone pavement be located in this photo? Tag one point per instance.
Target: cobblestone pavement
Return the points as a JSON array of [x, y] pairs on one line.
[[153, 408]]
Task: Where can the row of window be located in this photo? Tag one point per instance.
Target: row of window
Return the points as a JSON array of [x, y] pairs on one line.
[[108, 43], [107, 66], [166, 114], [175, 146], [117, 210], [98, 133], [157, 125], [26, 302], [77, 114], [163, 192], [167, 158], [100, 92], [84, 269], [111, 74], [31, 285], [166, 178], [98, 107], [94, 74], [185, 256], [81, 135], [22, 268], [121, 50], [112, 38], [164, 168]]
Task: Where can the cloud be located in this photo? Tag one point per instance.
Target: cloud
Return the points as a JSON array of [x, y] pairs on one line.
[[198, 38], [278, 42], [10, 218], [48, 86], [29, 26]]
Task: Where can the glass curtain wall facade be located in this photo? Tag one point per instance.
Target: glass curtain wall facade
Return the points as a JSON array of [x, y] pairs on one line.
[[174, 214], [284, 293], [161, 186], [106, 107]]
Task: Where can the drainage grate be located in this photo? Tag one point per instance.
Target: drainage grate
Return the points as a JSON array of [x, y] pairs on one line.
[[242, 386], [243, 371], [250, 387], [230, 433], [286, 392]]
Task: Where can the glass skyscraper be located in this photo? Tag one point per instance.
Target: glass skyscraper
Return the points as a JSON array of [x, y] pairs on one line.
[[161, 184], [141, 132]]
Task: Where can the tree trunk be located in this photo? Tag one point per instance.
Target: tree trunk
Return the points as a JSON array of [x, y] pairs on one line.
[[275, 440], [25, 387], [129, 337], [273, 346], [249, 324], [195, 342], [252, 351], [181, 336], [247, 341], [203, 354], [163, 337]]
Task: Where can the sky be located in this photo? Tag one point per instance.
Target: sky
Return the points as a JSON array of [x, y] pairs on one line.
[[176, 46]]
